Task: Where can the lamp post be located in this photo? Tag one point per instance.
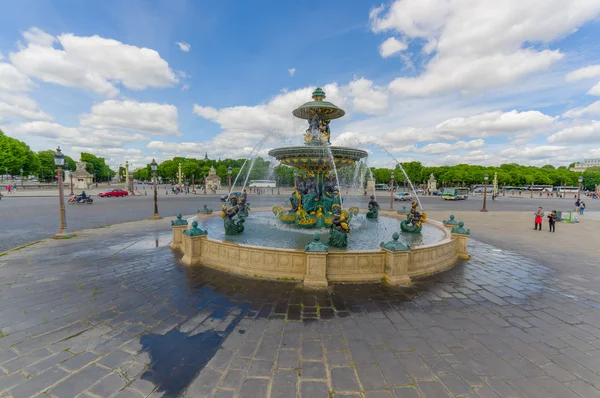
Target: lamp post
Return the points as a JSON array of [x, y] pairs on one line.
[[153, 166], [59, 161], [229, 171], [392, 192], [531, 189], [71, 182], [485, 180], [21, 178], [205, 184], [580, 180]]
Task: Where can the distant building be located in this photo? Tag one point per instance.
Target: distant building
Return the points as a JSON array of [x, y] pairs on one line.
[[587, 163]]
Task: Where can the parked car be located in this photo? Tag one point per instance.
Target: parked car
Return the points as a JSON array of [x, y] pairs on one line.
[[403, 196], [225, 197], [113, 192], [420, 191], [437, 193]]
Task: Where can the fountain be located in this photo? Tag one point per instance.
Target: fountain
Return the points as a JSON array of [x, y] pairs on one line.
[[317, 201], [291, 247]]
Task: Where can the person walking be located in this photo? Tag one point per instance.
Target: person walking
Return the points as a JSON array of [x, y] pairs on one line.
[[539, 214], [577, 204], [581, 207], [552, 217]]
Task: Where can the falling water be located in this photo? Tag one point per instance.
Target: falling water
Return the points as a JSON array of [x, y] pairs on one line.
[[355, 176], [249, 171], [239, 172], [246, 160], [337, 180], [405, 175], [372, 179]]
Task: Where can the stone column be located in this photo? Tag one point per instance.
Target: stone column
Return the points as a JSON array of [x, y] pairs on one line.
[[316, 270], [177, 235], [192, 249], [396, 267], [462, 242]]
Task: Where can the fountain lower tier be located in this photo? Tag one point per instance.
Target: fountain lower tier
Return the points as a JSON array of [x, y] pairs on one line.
[[317, 158], [316, 202]]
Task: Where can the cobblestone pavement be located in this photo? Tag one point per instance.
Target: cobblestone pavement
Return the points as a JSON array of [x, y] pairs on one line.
[[111, 313]]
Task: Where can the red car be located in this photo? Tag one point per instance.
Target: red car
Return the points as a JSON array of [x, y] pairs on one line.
[[113, 192]]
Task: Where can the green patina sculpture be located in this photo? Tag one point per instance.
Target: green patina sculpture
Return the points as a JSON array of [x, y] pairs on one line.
[[414, 220], [316, 245], [205, 210], [231, 225], [339, 230], [179, 221], [317, 193], [195, 231], [373, 208], [395, 245], [451, 221], [461, 230]]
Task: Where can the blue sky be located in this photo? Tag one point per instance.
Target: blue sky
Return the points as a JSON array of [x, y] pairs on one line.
[[440, 81]]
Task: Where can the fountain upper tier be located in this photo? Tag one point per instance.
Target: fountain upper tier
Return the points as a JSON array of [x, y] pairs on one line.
[[318, 155], [316, 158]]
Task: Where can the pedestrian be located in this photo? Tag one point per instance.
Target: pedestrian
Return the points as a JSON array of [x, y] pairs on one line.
[[577, 204], [581, 207], [552, 221], [9, 188], [539, 214]]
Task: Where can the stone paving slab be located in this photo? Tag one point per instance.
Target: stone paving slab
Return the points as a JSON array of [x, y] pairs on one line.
[[111, 313]]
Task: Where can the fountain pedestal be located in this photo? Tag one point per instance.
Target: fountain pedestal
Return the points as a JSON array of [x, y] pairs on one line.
[[177, 228], [316, 270], [396, 267], [462, 245], [192, 249]]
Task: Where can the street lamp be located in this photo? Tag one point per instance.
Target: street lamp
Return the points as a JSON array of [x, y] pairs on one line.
[[71, 179], [580, 180], [392, 192], [59, 161], [21, 178], [154, 166], [229, 171], [485, 180]]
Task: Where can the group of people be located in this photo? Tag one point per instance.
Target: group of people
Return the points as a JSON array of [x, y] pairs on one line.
[[11, 188], [553, 216]]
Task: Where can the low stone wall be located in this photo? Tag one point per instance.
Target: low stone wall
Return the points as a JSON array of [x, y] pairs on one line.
[[317, 269]]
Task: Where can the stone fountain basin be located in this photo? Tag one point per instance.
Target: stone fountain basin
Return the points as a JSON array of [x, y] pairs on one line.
[[315, 269]]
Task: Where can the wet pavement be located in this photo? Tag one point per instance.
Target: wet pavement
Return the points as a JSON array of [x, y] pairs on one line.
[[112, 313]]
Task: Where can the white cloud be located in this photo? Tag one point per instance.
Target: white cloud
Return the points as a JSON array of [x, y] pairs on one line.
[[584, 133], [20, 106], [391, 46], [144, 117], [93, 63], [11, 79], [494, 124], [444, 147], [595, 90], [587, 72], [75, 135], [592, 109], [367, 98], [183, 46], [292, 71], [479, 44]]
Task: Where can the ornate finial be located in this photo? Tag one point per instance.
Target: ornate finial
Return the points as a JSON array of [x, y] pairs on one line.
[[451, 221], [461, 230], [318, 94], [195, 231], [395, 245], [179, 221], [316, 245]]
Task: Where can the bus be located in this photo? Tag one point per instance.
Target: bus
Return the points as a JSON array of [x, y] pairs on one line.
[[262, 184], [455, 193], [564, 189]]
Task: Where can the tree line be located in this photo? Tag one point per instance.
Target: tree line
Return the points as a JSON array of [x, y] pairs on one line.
[[15, 156]]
